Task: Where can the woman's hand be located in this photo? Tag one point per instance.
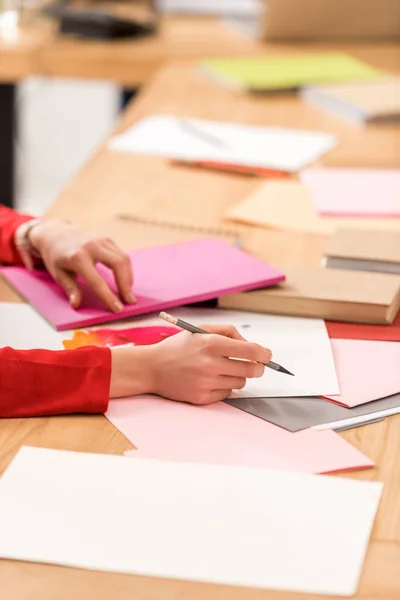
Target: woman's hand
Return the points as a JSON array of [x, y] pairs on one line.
[[68, 251], [189, 367]]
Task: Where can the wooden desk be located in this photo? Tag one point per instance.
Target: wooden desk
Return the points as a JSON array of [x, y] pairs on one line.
[[40, 50], [110, 183]]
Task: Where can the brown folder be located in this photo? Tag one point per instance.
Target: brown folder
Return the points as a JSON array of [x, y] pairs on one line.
[[330, 294], [364, 250]]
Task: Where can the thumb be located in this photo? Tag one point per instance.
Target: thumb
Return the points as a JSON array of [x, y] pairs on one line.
[[70, 287]]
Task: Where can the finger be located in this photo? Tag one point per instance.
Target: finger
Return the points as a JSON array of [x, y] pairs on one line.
[[214, 396], [224, 382], [239, 368], [84, 267], [69, 285], [219, 395], [119, 263], [227, 347], [227, 330]]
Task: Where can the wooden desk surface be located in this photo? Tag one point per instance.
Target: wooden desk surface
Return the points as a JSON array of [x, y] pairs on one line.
[[39, 50], [110, 183]]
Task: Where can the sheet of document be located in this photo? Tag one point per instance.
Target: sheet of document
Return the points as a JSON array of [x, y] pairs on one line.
[[366, 370], [227, 525], [221, 434], [211, 141], [300, 345], [355, 192], [288, 206], [22, 328]]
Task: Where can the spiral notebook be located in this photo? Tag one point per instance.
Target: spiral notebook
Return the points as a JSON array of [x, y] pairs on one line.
[[162, 231]]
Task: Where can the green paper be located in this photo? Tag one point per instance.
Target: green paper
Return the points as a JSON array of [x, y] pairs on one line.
[[289, 72]]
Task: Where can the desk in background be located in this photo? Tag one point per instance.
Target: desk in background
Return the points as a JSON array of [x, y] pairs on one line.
[[134, 181], [40, 51]]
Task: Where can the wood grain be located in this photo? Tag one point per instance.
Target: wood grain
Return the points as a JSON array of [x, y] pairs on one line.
[[112, 183]]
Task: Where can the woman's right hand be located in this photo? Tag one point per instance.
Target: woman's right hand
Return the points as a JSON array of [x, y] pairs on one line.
[[194, 368]]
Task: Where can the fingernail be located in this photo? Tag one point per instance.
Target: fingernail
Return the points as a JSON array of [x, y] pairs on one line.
[[72, 299], [132, 298], [260, 371], [119, 307]]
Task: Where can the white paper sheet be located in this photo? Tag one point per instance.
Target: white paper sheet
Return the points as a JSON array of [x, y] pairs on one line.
[[300, 345], [22, 328], [228, 525], [194, 140], [358, 421]]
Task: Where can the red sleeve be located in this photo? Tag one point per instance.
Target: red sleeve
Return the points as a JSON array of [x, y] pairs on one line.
[[45, 382], [9, 223]]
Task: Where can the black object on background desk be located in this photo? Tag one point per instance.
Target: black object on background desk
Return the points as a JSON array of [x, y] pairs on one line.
[[98, 24]]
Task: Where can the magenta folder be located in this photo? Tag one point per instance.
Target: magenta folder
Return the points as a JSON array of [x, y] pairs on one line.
[[164, 277]]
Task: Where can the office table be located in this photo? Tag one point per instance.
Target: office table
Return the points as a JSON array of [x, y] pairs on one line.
[[112, 183]]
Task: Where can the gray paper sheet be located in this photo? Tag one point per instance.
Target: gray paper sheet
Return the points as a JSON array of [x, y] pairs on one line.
[[298, 413]]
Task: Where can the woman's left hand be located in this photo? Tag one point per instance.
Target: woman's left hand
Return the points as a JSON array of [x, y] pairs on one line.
[[68, 251]]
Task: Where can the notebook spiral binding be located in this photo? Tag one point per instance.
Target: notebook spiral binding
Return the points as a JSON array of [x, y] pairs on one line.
[[212, 231]]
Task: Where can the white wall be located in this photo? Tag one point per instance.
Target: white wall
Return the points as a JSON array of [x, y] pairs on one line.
[[61, 123]]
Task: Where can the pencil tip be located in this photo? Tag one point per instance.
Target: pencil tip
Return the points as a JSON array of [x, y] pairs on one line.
[[286, 371]]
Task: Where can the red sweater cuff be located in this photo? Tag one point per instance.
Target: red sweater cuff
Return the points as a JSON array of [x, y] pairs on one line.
[[9, 223], [43, 382]]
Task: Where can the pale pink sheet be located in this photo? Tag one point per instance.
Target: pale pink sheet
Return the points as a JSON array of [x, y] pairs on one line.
[[165, 276], [221, 434], [366, 370], [355, 192]]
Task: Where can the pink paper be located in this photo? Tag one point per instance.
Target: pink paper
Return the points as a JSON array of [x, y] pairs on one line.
[[355, 192], [366, 370], [221, 434], [165, 276]]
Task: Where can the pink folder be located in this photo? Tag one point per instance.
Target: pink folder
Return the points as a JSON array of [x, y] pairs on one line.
[[355, 192], [165, 276], [366, 370], [222, 434]]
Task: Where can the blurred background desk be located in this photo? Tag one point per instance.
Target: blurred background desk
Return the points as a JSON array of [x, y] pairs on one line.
[[39, 50]]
